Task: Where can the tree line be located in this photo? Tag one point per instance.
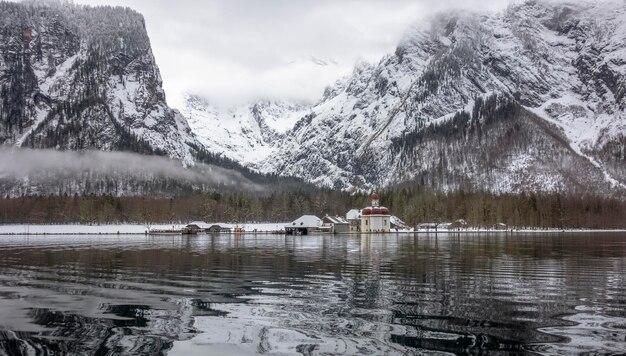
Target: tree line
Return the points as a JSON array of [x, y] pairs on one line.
[[413, 205]]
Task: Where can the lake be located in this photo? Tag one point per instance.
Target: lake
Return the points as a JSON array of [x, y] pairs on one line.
[[322, 294]]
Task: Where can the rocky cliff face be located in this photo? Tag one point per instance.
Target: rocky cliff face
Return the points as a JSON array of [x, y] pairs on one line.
[[557, 70], [75, 77]]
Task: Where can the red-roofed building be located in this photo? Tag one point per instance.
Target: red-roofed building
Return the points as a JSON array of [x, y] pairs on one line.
[[375, 218]]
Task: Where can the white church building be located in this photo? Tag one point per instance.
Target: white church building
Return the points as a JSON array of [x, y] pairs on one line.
[[375, 218]]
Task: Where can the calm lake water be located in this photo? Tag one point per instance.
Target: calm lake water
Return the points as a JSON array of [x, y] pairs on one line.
[[396, 294]]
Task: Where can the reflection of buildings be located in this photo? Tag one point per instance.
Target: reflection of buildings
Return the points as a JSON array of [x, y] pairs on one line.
[[366, 261], [428, 293]]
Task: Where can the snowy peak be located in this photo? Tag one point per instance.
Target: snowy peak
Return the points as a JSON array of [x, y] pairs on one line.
[[247, 132], [278, 116], [560, 63]]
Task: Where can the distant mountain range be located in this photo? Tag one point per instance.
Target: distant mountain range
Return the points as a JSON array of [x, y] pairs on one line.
[[529, 99], [246, 133]]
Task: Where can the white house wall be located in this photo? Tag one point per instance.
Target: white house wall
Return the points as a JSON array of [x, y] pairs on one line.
[[375, 223]]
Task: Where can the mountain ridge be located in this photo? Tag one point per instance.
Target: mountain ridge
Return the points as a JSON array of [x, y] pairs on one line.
[[431, 113], [247, 132], [536, 53]]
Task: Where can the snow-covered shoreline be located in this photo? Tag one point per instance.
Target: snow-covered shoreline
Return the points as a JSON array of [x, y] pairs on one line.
[[139, 229], [73, 229], [116, 229], [517, 231]]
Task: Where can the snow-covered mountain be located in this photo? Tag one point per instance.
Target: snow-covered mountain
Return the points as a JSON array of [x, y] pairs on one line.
[[76, 77], [532, 98], [247, 133]]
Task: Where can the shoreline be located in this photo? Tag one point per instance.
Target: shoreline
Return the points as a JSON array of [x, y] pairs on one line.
[[251, 229]]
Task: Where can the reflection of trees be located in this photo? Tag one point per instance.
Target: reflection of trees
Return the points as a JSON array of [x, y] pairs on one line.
[[485, 290], [137, 330], [502, 286]]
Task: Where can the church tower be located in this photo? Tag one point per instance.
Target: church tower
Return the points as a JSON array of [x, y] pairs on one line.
[[375, 200]]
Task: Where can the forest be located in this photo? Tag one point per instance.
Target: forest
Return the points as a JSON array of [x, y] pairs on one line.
[[413, 205]]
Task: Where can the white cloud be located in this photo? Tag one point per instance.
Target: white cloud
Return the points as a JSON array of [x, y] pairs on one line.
[[242, 49]]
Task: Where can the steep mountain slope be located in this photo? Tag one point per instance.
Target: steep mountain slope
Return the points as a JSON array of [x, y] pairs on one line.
[[75, 77], [245, 133], [562, 66], [500, 146]]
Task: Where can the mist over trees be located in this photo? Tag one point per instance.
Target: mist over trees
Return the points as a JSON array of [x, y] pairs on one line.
[[31, 172]]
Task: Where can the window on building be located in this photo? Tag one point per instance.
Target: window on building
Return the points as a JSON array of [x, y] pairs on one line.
[[366, 222], [385, 222]]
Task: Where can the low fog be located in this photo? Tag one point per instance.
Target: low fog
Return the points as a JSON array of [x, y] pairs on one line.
[[40, 166]]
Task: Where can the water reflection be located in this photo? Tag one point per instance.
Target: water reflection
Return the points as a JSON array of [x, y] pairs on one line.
[[313, 295]]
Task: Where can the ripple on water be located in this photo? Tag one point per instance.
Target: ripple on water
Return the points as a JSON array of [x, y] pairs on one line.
[[588, 332], [314, 295]]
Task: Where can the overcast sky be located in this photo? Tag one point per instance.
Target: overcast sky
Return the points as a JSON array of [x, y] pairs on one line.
[[235, 50]]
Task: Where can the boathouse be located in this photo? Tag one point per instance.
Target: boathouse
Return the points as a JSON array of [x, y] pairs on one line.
[[191, 229], [305, 225], [336, 225], [195, 227], [500, 226], [459, 224], [220, 228], [428, 226], [354, 218]]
